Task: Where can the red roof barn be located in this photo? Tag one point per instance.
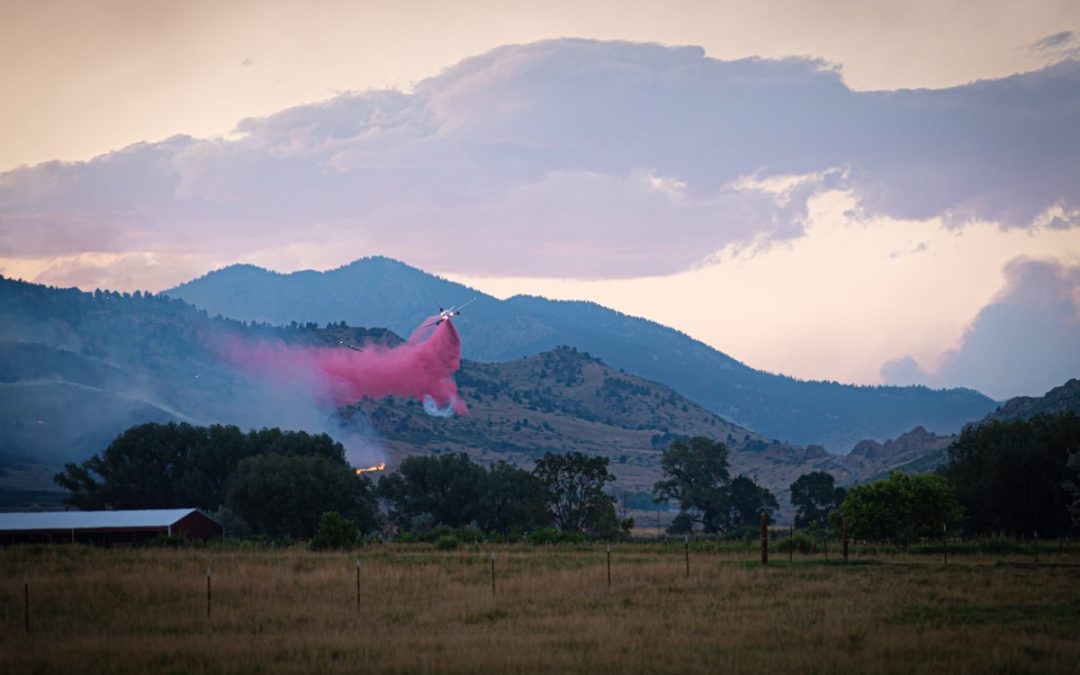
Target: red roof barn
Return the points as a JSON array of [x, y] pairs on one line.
[[106, 527]]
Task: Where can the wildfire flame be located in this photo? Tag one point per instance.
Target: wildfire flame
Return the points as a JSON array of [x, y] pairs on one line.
[[381, 466]]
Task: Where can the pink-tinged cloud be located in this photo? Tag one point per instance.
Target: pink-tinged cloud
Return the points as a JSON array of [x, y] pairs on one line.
[[421, 368], [567, 158], [1025, 342]]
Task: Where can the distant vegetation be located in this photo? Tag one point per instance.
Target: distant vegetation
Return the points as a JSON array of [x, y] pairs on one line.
[[1015, 477]]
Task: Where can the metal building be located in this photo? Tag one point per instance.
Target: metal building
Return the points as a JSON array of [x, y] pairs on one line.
[[106, 527]]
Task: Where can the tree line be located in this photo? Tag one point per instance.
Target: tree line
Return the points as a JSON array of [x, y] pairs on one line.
[[282, 484], [1018, 478]]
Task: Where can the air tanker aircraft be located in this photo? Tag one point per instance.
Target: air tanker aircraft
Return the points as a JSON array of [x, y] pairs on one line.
[[447, 314]]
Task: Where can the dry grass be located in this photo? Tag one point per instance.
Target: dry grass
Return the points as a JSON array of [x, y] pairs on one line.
[[144, 610]]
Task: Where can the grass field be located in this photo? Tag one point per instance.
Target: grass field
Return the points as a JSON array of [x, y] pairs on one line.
[[422, 610]]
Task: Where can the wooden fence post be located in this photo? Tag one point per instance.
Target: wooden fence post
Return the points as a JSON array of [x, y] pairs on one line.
[[764, 538], [208, 605], [609, 566], [844, 526]]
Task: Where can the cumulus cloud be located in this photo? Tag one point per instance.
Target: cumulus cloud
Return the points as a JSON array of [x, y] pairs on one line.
[[1025, 342], [570, 158]]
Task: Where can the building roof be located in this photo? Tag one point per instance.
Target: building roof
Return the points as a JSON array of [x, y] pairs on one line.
[[81, 520]]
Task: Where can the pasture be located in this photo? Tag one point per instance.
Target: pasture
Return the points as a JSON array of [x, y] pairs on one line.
[[424, 610]]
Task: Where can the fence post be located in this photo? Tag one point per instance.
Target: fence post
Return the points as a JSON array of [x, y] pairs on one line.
[[358, 583], [764, 538], [493, 573], [208, 605], [609, 566], [686, 552], [844, 526], [26, 600], [945, 543], [791, 548]]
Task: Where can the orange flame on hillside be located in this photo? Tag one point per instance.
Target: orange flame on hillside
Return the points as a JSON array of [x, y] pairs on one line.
[[381, 466]]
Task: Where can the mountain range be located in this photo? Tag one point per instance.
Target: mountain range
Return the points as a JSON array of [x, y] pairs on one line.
[[384, 292], [78, 368]]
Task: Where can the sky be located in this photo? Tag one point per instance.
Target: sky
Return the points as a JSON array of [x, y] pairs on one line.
[[861, 192]]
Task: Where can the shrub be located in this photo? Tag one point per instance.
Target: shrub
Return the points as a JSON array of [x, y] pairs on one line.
[[801, 542], [421, 524], [470, 533], [335, 532], [447, 542]]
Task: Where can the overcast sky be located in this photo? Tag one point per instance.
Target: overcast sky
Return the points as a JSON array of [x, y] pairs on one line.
[[863, 192]]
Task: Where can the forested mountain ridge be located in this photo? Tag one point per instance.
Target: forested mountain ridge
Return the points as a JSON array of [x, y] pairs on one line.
[[384, 292], [1058, 399]]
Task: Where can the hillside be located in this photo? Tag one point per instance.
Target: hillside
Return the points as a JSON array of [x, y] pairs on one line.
[[920, 450], [566, 400], [1058, 399], [384, 292], [77, 368]]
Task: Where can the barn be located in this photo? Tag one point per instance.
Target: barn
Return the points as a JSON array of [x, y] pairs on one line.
[[106, 527]]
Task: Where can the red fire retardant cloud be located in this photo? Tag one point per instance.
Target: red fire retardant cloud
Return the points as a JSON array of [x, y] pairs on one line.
[[422, 367]]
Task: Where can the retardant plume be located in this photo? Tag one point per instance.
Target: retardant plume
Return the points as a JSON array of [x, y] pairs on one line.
[[422, 368]]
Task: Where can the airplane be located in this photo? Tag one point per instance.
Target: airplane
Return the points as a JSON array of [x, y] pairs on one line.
[[447, 314]]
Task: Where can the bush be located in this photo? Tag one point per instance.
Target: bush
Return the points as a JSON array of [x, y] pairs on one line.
[[681, 524], [801, 543], [1004, 545], [549, 535], [420, 525], [545, 535], [435, 533], [447, 542], [335, 532], [470, 533]]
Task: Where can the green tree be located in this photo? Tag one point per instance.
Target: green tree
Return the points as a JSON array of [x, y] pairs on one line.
[[335, 532], [696, 474], [574, 484], [179, 465], [156, 466], [1010, 476], [449, 487], [745, 501], [901, 509], [814, 495], [513, 500], [285, 495]]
